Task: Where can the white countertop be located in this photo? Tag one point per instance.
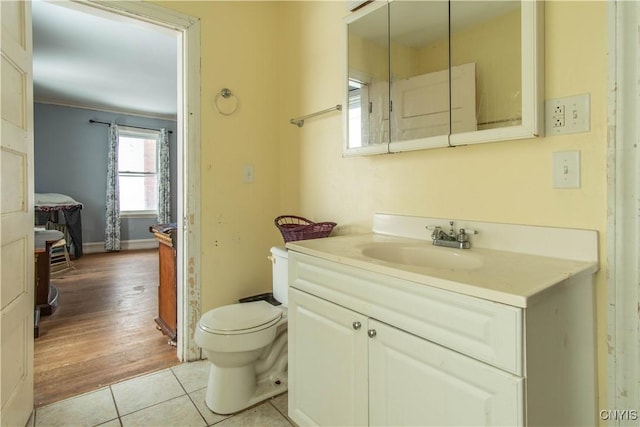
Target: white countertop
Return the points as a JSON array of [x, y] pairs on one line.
[[506, 277]]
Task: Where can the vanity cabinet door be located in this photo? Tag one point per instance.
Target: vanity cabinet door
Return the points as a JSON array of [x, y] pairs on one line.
[[413, 381], [327, 363]]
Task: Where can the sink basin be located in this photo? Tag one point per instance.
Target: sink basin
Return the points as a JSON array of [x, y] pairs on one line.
[[423, 255]]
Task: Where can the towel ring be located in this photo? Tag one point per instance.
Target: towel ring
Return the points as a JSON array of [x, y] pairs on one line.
[[226, 94]]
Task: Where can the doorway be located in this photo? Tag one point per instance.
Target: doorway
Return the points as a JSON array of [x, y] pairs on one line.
[[187, 136]]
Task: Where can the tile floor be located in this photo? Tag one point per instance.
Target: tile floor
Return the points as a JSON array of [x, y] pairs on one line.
[[171, 397]]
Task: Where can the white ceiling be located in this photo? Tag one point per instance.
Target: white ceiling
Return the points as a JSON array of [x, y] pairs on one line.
[[105, 62]]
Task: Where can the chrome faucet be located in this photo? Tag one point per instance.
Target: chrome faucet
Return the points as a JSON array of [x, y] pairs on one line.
[[458, 240]]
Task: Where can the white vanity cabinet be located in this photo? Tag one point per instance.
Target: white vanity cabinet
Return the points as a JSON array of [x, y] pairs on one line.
[[347, 369], [370, 349]]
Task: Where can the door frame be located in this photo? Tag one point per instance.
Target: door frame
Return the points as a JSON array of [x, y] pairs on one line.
[[623, 225], [188, 137]]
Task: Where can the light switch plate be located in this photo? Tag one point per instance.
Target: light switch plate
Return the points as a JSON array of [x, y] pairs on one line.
[[248, 174], [566, 169], [571, 114]]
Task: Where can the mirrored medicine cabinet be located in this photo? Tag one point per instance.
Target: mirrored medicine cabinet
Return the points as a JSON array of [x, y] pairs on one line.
[[436, 73]]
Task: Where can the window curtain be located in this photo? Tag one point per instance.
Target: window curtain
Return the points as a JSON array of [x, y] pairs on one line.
[[164, 178], [112, 217]]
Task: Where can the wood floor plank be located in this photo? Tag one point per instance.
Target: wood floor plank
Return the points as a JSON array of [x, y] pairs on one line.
[[103, 330]]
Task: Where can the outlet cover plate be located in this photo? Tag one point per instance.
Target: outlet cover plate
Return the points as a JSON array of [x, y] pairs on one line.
[[571, 114]]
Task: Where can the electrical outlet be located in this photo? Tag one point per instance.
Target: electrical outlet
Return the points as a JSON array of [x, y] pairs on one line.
[[558, 116], [568, 115]]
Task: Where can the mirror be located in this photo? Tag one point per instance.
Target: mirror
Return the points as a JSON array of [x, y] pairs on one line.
[[419, 66], [461, 72], [367, 121], [476, 29], [505, 39]]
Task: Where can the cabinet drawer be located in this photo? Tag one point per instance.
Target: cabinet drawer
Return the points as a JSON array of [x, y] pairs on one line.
[[485, 330]]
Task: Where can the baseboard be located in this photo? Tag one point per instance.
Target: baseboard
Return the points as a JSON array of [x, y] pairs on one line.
[[125, 245]]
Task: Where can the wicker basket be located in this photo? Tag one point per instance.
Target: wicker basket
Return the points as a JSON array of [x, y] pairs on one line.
[[297, 228]]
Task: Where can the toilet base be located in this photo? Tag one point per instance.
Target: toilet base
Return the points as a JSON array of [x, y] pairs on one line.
[[244, 392]]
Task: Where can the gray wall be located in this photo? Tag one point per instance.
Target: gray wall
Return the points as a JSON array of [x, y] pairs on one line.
[[70, 158]]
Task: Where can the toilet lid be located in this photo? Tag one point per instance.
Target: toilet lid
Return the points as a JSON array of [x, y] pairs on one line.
[[241, 317]]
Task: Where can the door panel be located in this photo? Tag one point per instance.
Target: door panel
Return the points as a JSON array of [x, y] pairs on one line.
[[13, 83], [14, 279], [16, 215], [327, 363], [413, 381], [421, 103]]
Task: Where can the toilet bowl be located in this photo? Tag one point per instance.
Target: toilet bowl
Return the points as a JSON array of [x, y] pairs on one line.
[[246, 344]]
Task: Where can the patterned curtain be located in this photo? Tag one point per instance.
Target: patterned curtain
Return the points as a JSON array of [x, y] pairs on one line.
[[112, 230], [164, 179]]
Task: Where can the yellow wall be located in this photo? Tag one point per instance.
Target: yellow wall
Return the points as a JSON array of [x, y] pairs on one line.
[[286, 59], [240, 51], [508, 182]]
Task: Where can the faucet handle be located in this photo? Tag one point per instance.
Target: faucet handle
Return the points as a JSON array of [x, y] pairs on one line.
[[468, 231], [436, 230]]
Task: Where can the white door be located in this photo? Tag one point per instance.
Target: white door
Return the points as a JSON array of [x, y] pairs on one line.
[[16, 210], [421, 103], [327, 363], [414, 382]]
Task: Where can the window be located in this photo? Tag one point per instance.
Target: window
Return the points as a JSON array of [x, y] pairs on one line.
[[356, 103], [138, 171]]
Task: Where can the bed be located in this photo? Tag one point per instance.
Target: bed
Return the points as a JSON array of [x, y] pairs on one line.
[[48, 207]]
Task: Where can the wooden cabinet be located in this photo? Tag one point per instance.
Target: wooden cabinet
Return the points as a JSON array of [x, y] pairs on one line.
[[370, 349], [167, 287], [45, 294]]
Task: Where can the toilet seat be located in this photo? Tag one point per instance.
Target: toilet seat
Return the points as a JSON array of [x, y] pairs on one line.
[[241, 318]]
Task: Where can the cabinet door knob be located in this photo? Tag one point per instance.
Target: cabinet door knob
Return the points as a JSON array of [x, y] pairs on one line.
[[356, 325], [372, 333]]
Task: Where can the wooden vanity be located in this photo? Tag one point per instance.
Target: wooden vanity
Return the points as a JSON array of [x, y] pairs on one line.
[[166, 235], [46, 294]]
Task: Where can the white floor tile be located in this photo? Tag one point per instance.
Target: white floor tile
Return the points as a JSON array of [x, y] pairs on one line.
[[193, 375], [142, 392], [88, 409], [210, 416], [175, 412], [263, 415], [112, 423], [281, 403], [158, 399]]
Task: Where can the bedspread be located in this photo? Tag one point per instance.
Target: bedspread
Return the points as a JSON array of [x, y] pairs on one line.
[[46, 203]]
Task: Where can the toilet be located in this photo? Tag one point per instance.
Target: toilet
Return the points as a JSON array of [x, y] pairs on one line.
[[246, 344]]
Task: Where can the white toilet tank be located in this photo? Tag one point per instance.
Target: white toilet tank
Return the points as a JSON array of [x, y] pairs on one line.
[[280, 261]]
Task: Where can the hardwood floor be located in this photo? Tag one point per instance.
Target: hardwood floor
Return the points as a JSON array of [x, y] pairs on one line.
[[103, 330]]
